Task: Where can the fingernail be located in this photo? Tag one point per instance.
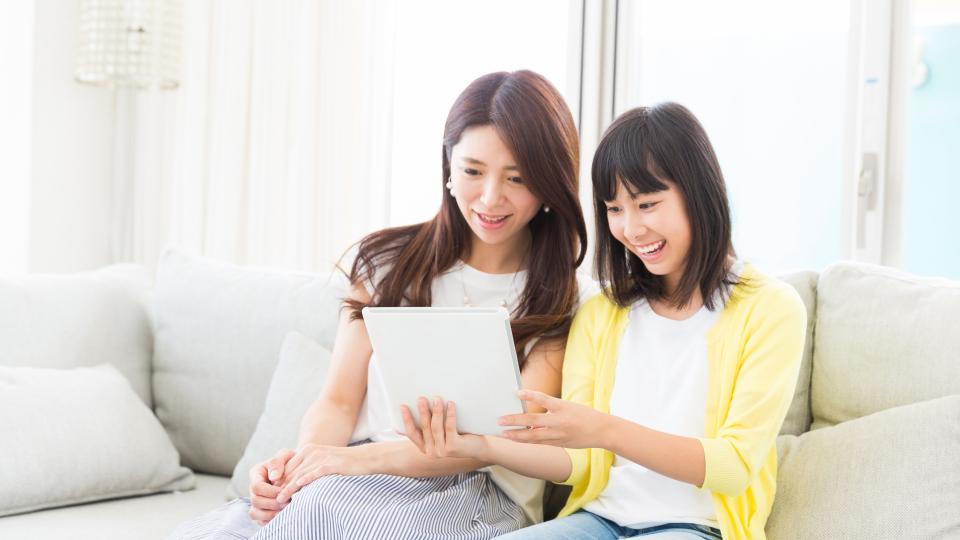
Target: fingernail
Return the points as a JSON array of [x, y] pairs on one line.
[[274, 474]]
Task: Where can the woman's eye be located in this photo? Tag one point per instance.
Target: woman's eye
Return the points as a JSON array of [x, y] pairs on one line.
[[515, 179], [613, 209], [647, 206], [471, 172]]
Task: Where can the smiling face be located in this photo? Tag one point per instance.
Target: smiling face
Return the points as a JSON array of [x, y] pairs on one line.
[[654, 227], [490, 188]]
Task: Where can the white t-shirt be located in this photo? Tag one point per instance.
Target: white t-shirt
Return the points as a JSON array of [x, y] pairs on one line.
[[456, 287], [661, 383]]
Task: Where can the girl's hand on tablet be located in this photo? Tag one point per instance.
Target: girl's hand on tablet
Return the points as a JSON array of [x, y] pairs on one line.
[[565, 424], [437, 435]]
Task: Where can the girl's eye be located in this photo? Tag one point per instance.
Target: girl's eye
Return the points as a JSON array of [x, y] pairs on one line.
[[647, 206], [613, 209], [515, 179], [471, 172]]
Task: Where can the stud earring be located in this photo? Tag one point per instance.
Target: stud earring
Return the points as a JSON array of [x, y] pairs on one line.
[[546, 209], [449, 184]]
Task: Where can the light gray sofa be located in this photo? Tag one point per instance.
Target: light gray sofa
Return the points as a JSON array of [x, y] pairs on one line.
[[870, 447]]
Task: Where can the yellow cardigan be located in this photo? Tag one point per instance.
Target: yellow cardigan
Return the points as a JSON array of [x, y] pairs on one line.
[[753, 351]]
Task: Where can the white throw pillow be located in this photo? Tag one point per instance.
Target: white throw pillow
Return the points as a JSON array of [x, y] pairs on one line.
[[79, 435], [892, 474], [80, 320], [295, 385], [218, 332]]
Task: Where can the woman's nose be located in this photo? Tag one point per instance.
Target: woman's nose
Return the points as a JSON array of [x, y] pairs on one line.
[[492, 192]]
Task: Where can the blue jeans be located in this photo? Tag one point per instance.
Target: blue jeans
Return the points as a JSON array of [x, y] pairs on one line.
[[584, 525]]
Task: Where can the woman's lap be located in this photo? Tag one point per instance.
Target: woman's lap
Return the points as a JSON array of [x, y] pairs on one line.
[[228, 522], [460, 506], [468, 506]]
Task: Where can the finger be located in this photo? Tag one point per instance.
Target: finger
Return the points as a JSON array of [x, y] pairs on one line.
[[412, 431], [262, 517], [529, 419], [436, 425], [424, 409], [264, 489], [276, 464], [287, 492], [539, 398], [258, 473], [451, 422], [298, 482], [291, 468], [266, 503], [540, 436]]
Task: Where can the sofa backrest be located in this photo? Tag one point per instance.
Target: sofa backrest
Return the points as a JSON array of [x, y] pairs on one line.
[[884, 338], [218, 332], [84, 319]]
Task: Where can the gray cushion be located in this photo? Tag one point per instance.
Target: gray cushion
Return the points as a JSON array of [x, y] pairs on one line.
[[799, 416], [85, 319], [79, 435], [883, 338], [892, 474], [295, 385], [218, 333]]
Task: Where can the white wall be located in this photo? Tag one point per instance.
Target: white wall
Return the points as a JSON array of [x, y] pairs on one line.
[[16, 58], [71, 161]]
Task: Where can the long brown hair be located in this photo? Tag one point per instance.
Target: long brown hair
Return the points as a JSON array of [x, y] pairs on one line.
[[531, 117], [640, 149]]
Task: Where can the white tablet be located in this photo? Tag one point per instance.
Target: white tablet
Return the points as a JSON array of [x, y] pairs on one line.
[[465, 355]]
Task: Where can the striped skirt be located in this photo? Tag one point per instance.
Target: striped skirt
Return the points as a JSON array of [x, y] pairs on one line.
[[463, 506]]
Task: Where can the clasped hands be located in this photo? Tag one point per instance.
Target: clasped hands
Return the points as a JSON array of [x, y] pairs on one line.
[[273, 482]]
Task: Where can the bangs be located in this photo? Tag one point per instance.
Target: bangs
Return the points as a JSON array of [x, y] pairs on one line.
[[624, 155]]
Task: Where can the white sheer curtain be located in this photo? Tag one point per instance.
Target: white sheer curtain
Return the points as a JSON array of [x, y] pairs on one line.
[[16, 104], [268, 152]]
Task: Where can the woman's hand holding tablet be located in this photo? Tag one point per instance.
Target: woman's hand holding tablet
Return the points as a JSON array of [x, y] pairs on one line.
[[466, 355], [436, 434]]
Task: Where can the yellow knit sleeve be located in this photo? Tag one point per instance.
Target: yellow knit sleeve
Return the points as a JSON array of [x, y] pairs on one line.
[[774, 332], [579, 372]]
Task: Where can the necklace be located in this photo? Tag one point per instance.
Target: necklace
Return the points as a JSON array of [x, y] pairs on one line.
[[504, 302]]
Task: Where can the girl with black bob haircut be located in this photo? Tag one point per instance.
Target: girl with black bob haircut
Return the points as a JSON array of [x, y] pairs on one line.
[[677, 378]]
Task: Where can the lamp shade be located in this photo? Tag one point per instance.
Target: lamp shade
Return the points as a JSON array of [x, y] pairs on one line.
[[129, 43]]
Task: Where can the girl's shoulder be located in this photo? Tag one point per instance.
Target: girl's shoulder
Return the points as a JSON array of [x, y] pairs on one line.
[[599, 310], [756, 290], [587, 288]]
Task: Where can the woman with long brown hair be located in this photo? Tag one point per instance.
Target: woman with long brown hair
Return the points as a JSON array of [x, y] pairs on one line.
[[509, 232]]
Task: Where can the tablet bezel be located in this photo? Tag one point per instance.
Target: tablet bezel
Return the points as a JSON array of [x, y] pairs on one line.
[[417, 377]]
